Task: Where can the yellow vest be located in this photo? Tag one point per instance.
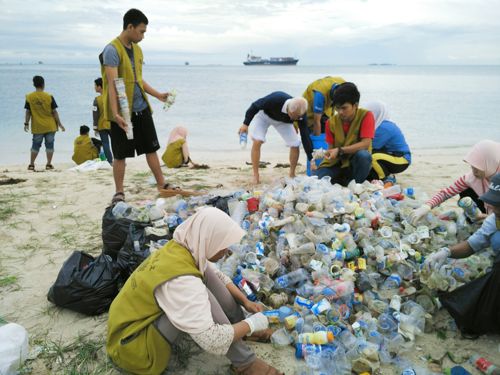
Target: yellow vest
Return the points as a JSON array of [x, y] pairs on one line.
[[124, 71], [322, 85], [342, 139], [102, 123], [172, 157], [84, 149], [42, 119], [134, 343]]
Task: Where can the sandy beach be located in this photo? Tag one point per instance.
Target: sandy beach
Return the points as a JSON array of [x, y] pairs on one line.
[[45, 215]]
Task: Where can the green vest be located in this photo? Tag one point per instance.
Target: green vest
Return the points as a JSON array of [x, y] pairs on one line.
[[84, 149], [42, 119], [102, 123], [124, 71], [134, 343], [342, 139], [322, 85], [172, 157]]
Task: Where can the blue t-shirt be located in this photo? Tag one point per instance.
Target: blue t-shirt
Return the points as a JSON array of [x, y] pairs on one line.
[[111, 58], [389, 138], [487, 235], [319, 102]]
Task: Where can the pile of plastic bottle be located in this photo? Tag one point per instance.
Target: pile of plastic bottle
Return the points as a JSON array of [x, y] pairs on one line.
[[340, 268]]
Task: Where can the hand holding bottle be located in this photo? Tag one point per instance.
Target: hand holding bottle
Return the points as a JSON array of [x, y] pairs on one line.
[[257, 322], [419, 213], [437, 259]]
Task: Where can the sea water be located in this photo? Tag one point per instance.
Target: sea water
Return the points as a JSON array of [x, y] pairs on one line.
[[435, 106]]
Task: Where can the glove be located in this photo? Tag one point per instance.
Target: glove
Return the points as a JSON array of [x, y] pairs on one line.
[[419, 213], [437, 259], [257, 322]]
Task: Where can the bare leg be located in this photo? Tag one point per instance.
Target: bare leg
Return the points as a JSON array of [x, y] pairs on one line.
[[256, 160], [294, 158], [33, 157], [154, 165], [119, 174], [49, 157]]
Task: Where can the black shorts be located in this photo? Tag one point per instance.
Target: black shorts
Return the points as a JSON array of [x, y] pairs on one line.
[[145, 139]]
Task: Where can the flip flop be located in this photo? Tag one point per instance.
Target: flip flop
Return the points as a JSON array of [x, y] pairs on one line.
[[166, 193], [118, 197], [31, 167], [49, 167]]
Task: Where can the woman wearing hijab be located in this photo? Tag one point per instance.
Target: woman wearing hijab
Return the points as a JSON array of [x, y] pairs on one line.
[[484, 160], [177, 153], [390, 152], [178, 289]]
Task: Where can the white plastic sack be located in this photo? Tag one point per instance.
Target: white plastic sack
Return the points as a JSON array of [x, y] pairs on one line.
[[91, 165], [13, 348]]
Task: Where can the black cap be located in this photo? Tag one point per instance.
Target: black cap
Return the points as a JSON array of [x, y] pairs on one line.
[[492, 196]]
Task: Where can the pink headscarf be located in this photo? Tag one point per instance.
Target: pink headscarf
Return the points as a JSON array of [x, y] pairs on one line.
[[179, 132], [207, 232], [485, 156]]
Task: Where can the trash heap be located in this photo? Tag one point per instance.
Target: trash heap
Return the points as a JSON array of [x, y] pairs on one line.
[[338, 268]]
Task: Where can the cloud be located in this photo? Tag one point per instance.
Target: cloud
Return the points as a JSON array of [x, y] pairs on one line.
[[223, 31]]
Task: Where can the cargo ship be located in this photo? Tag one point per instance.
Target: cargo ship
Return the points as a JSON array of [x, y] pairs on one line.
[[257, 60]]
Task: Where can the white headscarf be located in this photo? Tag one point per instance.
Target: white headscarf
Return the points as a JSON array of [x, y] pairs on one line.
[[207, 232], [379, 111]]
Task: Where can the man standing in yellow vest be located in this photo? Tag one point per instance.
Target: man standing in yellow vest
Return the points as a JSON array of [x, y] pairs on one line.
[[319, 99], [349, 137], [41, 109], [101, 125], [122, 58]]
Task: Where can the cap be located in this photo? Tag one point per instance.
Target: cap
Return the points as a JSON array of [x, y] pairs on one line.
[[492, 196]]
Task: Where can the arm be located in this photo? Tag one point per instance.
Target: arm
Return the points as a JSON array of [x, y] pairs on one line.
[[456, 188], [58, 121], [112, 73], [461, 250], [151, 91], [27, 118], [305, 138], [333, 153], [318, 109]]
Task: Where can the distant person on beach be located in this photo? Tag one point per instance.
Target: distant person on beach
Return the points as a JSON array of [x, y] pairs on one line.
[[177, 290], [101, 125], [41, 110], [349, 137], [84, 147], [390, 152], [123, 58], [319, 96], [484, 160], [177, 153], [475, 306], [279, 110]]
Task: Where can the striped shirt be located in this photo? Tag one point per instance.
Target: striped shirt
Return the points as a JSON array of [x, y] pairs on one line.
[[456, 188]]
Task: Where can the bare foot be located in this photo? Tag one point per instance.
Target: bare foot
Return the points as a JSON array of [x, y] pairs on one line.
[[256, 180]]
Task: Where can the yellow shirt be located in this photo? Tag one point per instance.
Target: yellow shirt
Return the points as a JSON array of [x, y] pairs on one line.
[[84, 149]]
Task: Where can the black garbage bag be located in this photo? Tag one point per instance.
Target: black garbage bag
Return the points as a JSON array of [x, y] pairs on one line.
[[115, 232], [220, 203], [133, 251], [85, 284], [475, 306]]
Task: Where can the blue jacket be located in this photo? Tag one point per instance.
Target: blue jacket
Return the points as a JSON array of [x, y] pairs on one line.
[[389, 139], [271, 105]]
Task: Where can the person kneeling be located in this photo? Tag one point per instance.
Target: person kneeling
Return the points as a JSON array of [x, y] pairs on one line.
[[85, 148], [178, 289], [177, 153]]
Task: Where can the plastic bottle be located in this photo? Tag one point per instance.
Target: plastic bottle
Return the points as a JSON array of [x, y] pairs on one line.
[[485, 366], [291, 278], [13, 347], [125, 211], [281, 338], [124, 108], [239, 213], [391, 191], [470, 208], [320, 338], [102, 156], [170, 99], [244, 286], [243, 140]]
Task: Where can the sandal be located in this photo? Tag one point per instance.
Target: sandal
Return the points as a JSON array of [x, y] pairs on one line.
[[169, 186], [49, 167], [469, 336], [31, 167], [257, 367], [261, 336], [118, 197]]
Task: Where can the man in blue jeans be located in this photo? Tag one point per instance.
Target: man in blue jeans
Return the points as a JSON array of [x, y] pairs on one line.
[[349, 137]]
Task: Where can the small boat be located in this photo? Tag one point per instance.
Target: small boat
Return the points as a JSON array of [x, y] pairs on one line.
[[257, 60]]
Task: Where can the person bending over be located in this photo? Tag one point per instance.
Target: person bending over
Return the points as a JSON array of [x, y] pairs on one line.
[[177, 153], [84, 147]]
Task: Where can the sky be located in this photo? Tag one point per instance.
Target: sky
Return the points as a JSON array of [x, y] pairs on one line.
[[317, 32]]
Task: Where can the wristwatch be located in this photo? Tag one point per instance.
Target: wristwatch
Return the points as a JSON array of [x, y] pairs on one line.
[[26, 124], [341, 152]]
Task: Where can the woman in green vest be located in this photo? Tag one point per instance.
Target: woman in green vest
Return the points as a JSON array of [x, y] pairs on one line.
[[349, 137], [178, 289]]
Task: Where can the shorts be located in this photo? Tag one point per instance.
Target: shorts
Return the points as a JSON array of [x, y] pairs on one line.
[[145, 139], [49, 141], [261, 123]]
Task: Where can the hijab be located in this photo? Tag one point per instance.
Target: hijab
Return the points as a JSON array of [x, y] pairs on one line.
[[485, 156], [207, 232], [179, 132], [379, 111]]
